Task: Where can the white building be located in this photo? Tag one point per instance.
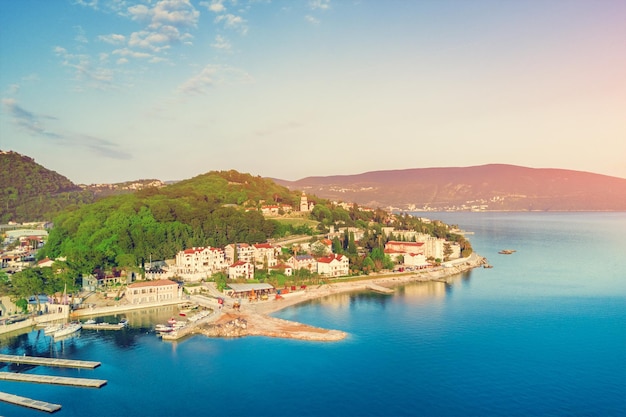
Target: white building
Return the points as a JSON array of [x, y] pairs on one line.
[[264, 255], [241, 269], [245, 252], [197, 263], [333, 266], [303, 261]]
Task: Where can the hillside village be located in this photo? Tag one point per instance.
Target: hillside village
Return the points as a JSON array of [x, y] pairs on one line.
[[305, 256]]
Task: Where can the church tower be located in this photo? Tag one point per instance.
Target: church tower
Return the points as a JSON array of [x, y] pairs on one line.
[[304, 204]]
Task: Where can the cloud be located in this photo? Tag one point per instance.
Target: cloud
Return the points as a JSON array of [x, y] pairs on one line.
[[84, 70], [29, 121], [233, 22], [221, 43], [125, 52], [216, 6], [80, 35], [311, 19], [319, 4], [101, 147], [113, 38], [179, 13], [35, 124], [213, 75], [168, 22]]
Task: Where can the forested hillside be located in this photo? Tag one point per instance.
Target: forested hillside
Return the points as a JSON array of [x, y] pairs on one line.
[[30, 192], [127, 230]]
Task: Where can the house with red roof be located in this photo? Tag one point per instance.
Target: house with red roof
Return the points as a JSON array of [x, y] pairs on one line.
[[333, 265], [241, 269], [197, 263]]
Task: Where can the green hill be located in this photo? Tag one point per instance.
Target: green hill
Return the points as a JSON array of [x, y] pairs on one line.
[[216, 208], [30, 192]]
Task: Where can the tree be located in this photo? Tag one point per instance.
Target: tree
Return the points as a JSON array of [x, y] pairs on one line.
[[337, 246], [447, 251], [27, 283], [368, 265], [351, 244]]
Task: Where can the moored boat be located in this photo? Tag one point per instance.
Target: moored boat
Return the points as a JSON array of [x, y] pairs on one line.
[[53, 328], [68, 329]]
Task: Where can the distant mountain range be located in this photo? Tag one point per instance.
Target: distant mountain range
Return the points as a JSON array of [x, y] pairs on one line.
[[486, 187], [31, 192]]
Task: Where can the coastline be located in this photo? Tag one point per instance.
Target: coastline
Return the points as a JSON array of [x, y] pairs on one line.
[[253, 319]]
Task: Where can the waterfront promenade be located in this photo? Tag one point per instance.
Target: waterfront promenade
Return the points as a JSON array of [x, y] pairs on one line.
[[252, 318]]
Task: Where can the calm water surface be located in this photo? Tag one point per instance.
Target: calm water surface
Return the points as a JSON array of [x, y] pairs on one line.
[[543, 333]]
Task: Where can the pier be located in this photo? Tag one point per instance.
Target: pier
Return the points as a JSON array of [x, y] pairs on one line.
[[55, 380], [27, 402], [63, 363]]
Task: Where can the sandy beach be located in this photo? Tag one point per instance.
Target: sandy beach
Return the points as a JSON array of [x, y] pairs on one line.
[[253, 319]]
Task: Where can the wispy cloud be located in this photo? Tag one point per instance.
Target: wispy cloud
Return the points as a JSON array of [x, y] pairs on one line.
[[311, 19], [232, 21], [84, 69], [211, 76], [113, 38], [319, 4], [221, 43], [35, 125], [81, 36], [29, 121]]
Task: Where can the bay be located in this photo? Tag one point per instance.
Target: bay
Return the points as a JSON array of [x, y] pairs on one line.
[[542, 333]]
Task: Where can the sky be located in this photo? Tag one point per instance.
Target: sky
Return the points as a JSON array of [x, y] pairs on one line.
[[105, 91]]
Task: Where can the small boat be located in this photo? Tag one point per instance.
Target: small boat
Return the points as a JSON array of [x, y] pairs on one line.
[[123, 323], [90, 321], [68, 329], [506, 251]]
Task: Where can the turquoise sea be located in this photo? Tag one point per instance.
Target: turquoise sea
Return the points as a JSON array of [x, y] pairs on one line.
[[543, 333]]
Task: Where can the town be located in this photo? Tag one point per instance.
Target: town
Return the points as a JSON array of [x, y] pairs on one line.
[[270, 269]]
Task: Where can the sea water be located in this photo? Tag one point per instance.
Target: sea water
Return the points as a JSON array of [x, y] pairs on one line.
[[543, 333]]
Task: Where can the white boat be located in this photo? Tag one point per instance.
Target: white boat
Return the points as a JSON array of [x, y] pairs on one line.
[[90, 321], [52, 328], [68, 329]]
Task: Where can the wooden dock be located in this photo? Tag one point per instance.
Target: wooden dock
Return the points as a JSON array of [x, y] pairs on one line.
[[55, 380], [27, 402], [63, 363], [380, 289]]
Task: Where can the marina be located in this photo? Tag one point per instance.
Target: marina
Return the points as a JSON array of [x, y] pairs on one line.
[[55, 380], [63, 363]]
